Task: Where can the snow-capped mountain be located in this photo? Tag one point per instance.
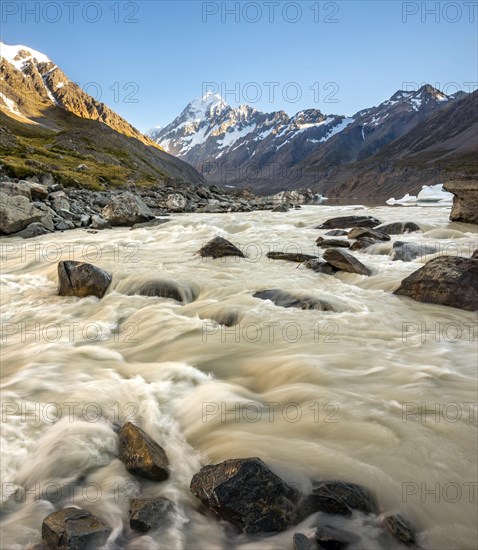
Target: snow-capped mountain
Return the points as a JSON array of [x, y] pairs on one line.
[[36, 97], [273, 151]]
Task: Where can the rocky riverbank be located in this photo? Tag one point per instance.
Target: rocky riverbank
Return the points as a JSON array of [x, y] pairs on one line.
[[29, 208]]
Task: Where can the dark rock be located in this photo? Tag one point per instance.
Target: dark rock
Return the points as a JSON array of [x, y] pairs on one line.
[[97, 222], [149, 513], [280, 208], [301, 542], [141, 455], [285, 299], [360, 233], [465, 201], [127, 209], [335, 243], [400, 530], [336, 233], [82, 279], [447, 280], [219, 247], [74, 529], [319, 266], [330, 538], [349, 221], [337, 498], [345, 261], [64, 225], [228, 319], [474, 256], [247, 494], [167, 289], [152, 223], [408, 251], [290, 257], [33, 230], [360, 244], [17, 213], [397, 228]]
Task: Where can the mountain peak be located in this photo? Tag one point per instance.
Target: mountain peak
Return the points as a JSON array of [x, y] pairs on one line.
[[18, 55]]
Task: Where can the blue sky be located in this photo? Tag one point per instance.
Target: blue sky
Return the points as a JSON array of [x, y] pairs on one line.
[[148, 59]]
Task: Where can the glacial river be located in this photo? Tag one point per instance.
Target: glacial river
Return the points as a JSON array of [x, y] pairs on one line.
[[381, 392]]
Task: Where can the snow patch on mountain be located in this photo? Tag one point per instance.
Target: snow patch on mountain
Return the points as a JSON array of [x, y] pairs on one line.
[[19, 55]]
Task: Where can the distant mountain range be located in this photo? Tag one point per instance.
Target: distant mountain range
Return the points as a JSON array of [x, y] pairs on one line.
[[412, 139], [49, 124]]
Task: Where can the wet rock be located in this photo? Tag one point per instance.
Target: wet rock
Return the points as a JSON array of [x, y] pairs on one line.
[[334, 243], [97, 222], [141, 455], [218, 248], [149, 513], [337, 498], [447, 280], [397, 228], [33, 230], [176, 202], [127, 209], [349, 221], [301, 542], [465, 201], [345, 261], [228, 319], [361, 244], [152, 223], [360, 233], [474, 256], [408, 251], [290, 257], [319, 266], [336, 233], [400, 530], [247, 494], [74, 529], [280, 208], [82, 279], [167, 289], [285, 299], [17, 213], [330, 538]]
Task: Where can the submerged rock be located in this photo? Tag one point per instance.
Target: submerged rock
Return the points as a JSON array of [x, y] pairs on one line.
[[345, 222], [149, 513], [337, 498], [247, 494], [332, 538], [74, 529], [301, 542], [280, 208], [82, 279], [336, 233], [334, 243], [291, 256], [400, 530], [319, 266], [360, 233], [408, 251], [447, 280], [141, 455], [397, 228], [285, 299], [218, 248], [127, 209], [167, 289], [345, 261]]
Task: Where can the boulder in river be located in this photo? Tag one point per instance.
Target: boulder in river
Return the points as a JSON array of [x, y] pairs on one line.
[[291, 256], [74, 529], [465, 200], [218, 248], [361, 244], [280, 208], [301, 542], [345, 261], [149, 513], [400, 530], [408, 251], [247, 494], [127, 209], [319, 266], [447, 280], [282, 298], [141, 455], [397, 228], [167, 289], [17, 213], [82, 279], [364, 232], [332, 243], [345, 222], [337, 498], [336, 233]]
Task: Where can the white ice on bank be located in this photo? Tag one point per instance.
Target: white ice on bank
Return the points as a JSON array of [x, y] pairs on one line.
[[429, 193]]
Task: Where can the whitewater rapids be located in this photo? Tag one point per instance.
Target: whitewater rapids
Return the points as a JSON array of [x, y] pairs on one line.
[[381, 392]]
